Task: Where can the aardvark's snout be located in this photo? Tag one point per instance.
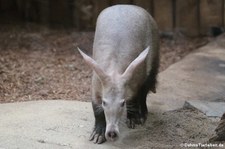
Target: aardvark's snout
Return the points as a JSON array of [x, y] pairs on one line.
[[112, 134]]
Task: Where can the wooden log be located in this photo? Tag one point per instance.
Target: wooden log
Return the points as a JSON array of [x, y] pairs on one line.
[[99, 5], [84, 12], [114, 2], [223, 11], [28, 10], [220, 131], [187, 17], [20, 5], [211, 15], [44, 12], [59, 12], [163, 15], [6, 5], [146, 4]]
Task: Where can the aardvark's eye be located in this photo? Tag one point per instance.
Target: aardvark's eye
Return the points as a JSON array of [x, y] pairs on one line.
[[103, 103], [122, 103]]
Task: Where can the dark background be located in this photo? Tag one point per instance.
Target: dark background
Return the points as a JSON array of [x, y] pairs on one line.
[[38, 40], [191, 17]]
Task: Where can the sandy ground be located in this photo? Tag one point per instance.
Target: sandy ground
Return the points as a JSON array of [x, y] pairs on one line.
[[37, 63], [175, 129], [67, 124]]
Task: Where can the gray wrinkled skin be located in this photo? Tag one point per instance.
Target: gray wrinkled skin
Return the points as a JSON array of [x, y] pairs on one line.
[[125, 63]]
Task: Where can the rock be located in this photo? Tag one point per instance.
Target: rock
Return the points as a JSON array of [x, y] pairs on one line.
[[220, 131], [199, 76], [210, 108]]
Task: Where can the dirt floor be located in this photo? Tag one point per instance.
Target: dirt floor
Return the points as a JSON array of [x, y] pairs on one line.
[[175, 129], [37, 63]]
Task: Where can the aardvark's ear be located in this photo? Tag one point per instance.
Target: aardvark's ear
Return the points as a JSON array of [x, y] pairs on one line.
[[92, 63], [135, 63]]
